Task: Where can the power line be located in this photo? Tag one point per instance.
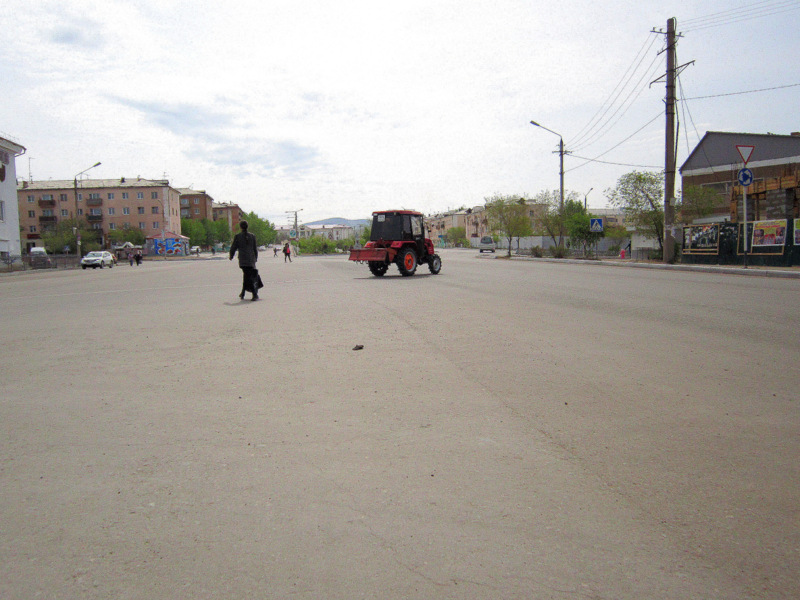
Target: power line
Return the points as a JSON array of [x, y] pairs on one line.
[[588, 160], [605, 162], [779, 87], [724, 13], [739, 15]]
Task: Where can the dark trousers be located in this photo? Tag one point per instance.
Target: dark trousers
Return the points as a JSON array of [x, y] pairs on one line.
[[250, 280]]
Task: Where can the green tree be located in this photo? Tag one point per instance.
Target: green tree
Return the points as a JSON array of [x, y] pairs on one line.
[[578, 228], [457, 236], [697, 202], [194, 230], [640, 194], [508, 215], [261, 228], [63, 236], [552, 221], [134, 236], [217, 232]]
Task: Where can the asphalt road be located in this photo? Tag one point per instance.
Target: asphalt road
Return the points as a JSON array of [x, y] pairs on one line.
[[511, 429]]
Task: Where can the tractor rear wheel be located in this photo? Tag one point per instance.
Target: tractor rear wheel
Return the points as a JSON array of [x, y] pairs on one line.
[[378, 268], [435, 264], [407, 262]]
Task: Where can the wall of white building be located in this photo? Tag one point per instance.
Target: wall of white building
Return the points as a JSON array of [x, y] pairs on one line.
[[9, 207]]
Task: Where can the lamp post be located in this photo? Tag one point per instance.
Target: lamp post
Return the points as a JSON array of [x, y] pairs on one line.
[[77, 225], [584, 199], [561, 177]]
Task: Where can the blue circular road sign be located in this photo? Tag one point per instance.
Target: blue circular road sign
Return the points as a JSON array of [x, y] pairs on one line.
[[745, 177]]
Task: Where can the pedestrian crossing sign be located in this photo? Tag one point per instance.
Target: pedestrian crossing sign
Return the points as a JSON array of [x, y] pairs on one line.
[[596, 225]]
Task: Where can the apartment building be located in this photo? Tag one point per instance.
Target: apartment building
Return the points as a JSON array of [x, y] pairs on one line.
[[106, 204], [231, 213], [9, 210], [196, 204]]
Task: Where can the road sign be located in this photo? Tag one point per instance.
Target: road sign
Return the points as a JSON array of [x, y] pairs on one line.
[[745, 177], [745, 152], [596, 225], [292, 234]]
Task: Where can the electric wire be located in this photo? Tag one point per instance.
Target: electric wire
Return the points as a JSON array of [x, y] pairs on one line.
[[615, 93], [742, 15], [777, 87]]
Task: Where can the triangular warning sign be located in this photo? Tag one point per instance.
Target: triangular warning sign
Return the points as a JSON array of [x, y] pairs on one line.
[[745, 152]]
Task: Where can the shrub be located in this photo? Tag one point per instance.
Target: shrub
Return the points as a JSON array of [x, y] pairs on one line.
[[537, 251], [558, 251]]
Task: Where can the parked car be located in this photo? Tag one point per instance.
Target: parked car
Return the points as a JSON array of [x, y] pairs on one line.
[[98, 258], [487, 244], [194, 250], [39, 258]]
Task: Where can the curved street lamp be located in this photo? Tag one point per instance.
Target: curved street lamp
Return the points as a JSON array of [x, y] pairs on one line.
[[77, 226], [561, 175]]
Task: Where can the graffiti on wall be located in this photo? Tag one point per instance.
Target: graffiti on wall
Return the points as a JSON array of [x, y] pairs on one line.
[[169, 246]]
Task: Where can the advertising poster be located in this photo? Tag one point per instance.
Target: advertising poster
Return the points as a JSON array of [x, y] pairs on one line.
[[769, 233], [701, 239], [797, 232]]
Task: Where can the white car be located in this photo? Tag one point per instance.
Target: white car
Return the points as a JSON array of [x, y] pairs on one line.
[[99, 258], [487, 244]]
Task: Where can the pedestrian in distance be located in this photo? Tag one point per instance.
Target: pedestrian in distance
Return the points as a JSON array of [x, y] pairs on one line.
[[245, 244], [138, 258], [274, 251], [130, 258], [287, 252]]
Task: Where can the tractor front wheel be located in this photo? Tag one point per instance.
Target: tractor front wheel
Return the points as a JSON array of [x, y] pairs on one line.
[[435, 264], [378, 268], [407, 262]]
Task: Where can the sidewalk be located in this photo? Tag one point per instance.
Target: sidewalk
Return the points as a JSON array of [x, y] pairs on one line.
[[750, 271]]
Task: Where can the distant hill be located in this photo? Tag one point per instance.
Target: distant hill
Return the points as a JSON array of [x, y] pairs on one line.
[[338, 221]]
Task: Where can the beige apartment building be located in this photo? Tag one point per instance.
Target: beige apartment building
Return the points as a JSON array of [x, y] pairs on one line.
[[196, 204], [106, 204]]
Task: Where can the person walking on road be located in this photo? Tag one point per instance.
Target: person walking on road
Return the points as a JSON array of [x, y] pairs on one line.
[[287, 252], [245, 243]]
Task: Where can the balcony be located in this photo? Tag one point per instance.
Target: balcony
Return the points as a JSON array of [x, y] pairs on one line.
[[47, 203], [94, 202], [48, 219], [94, 218]]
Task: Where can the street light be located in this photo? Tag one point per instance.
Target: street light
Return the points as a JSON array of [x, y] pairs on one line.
[[584, 199], [561, 174], [77, 225]]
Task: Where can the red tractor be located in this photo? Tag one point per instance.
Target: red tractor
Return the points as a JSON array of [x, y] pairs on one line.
[[397, 236]]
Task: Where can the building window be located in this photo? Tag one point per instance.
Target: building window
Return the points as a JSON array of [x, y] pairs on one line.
[[32, 214], [110, 210], [197, 200], [47, 196], [126, 210], [97, 225], [80, 212], [197, 211], [96, 212], [94, 196], [47, 212], [112, 226], [124, 195], [155, 225], [62, 197], [141, 225], [110, 195], [154, 195], [154, 210], [185, 212], [141, 210], [80, 197], [140, 195], [64, 212], [30, 198], [2, 210], [126, 225], [184, 201], [32, 228]]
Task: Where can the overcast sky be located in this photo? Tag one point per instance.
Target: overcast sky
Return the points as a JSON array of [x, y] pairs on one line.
[[343, 107]]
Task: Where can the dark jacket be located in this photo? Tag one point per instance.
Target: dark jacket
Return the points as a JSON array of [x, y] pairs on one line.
[[245, 243]]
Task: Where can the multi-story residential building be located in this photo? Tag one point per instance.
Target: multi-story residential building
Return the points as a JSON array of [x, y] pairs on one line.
[[196, 204], [106, 204], [9, 211], [228, 212]]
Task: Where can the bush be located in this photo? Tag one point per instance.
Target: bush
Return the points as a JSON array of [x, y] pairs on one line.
[[537, 252], [558, 251]]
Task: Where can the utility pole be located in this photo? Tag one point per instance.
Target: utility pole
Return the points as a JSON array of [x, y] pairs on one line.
[[296, 230], [669, 154]]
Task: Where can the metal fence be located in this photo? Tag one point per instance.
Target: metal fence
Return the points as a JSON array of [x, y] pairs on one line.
[[11, 263]]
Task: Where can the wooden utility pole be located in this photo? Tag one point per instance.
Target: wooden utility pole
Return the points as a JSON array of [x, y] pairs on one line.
[[669, 155]]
